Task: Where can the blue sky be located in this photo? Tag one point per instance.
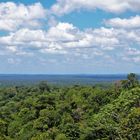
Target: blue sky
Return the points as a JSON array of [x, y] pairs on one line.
[[69, 36]]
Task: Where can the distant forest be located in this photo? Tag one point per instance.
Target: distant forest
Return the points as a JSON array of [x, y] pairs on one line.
[[46, 112]]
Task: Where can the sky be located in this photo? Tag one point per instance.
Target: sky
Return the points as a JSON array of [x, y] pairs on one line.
[[69, 36]]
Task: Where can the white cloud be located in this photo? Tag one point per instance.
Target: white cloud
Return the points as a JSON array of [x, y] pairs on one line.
[[61, 32], [66, 39], [132, 59], [13, 61], [133, 22], [114, 6], [133, 52], [12, 49], [65, 35], [131, 55], [14, 16]]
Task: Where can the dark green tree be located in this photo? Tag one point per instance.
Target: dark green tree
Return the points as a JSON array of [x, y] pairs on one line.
[[131, 82], [43, 86]]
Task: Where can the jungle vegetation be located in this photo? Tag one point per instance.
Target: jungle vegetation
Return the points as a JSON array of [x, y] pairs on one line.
[[44, 112]]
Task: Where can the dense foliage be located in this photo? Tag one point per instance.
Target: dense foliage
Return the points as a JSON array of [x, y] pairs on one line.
[[71, 113]]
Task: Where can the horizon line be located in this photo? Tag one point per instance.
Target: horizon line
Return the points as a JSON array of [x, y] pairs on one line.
[[67, 73]]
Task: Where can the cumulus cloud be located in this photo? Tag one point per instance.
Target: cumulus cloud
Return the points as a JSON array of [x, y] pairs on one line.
[[133, 52], [65, 38], [133, 22], [131, 55], [113, 6], [62, 36], [13, 61], [14, 16], [62, 32]]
